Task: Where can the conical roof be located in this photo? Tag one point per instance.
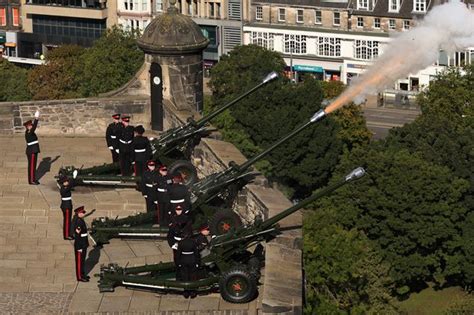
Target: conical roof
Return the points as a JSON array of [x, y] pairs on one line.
[[172, 33]]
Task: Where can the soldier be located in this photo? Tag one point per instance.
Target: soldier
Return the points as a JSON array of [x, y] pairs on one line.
[[202, 239], [81, 242], [188, 261], [141, 152], [125, 146], [66, 206], [113, 130], [32, 148], [148, 186], [180, 223], [179, 195], [164, 182]]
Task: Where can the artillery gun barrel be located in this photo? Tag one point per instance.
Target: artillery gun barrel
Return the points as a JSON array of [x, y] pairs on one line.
[[270, 77]]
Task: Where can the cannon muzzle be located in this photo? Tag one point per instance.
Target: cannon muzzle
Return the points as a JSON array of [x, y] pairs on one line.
[[271, 76], [355, 174]]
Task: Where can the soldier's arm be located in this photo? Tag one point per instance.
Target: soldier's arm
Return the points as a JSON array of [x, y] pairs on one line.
[[35, 124]]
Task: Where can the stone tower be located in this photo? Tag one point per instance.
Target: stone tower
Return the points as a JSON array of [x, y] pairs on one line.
[[173, 44]]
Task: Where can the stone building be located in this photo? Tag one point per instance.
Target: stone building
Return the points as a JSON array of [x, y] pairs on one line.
[[10, 24]]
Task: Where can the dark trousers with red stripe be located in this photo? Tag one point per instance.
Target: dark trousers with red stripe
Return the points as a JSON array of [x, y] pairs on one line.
[[125, 163], [115, 156], [67, 215], [80, 256], [32, 161]]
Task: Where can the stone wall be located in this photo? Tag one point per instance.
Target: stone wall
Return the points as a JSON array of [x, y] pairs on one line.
[[84, 117]]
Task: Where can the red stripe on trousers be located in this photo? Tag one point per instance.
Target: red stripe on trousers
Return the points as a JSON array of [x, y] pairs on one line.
[[135, 169], [31, 167], [66, 234], [158, 213], [78, 269]]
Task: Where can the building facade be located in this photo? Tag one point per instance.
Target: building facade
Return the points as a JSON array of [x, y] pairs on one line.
[[10, 24]]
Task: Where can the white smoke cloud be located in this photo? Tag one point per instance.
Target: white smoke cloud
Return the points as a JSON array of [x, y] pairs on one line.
[[449, 27]]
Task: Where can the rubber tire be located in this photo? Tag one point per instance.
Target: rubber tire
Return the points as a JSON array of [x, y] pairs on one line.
[[225, 215], [191, 178], [230, 276]]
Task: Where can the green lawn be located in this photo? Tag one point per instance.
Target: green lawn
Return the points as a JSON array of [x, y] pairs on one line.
[[430, 302]]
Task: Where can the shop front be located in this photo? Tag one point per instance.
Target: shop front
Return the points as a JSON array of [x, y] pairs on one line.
[[3, 39]]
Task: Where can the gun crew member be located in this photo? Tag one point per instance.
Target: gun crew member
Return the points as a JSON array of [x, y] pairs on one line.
[[111, 134], [164, 182], [125, 139], [141, 152], [148, 186], [179, 195], [187, 262], [81, 242], [32, 148], [66, 206], [180, 223]]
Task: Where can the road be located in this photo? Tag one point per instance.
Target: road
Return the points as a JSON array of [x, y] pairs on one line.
[[380, 120]]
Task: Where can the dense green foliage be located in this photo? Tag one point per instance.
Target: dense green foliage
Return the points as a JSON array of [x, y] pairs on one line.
[[13, 82]]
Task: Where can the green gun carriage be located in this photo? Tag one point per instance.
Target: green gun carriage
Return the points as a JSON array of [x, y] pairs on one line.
[[229, 267]]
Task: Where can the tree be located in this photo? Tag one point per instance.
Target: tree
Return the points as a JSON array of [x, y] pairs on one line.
[[111, 62], [13, 82], [60, 76]]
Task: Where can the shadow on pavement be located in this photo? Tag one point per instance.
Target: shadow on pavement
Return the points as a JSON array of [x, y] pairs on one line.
[[45, 166], [92, 260]]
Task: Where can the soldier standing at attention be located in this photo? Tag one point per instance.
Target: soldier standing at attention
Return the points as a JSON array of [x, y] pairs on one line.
[[125, 146], [111, 137], [141, 152], [32, 148], [180, 223], [179, 195], [164, 182], [66, 206], [148, 186], [81, 242], [188, 260]]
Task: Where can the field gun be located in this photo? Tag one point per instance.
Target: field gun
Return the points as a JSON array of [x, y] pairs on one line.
[[173, 148], [229, 266]]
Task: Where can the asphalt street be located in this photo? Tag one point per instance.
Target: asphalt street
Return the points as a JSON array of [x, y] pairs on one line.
[[380, 120]]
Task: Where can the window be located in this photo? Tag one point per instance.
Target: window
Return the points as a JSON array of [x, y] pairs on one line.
[[336, 18], [419, 6], [281, 15], [262, 39], [328, 46], [406, 24], [145, 24], [3, 17], [362, 4], [299, 16], [144, 5], [195, 6], [318, 19], [211, 9], [159, 5], [190, 7], [366, 49], [295, 44], [259, 13], [218, 10], [376, 22], [391, 24], [16, 17], [393, 5], [360, 21]]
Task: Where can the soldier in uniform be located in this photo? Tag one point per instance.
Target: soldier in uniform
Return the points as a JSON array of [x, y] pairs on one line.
[[81, 242], [125, 138], [141, 152], [164, 182], [148, 186], [179, 195], [188, 261], [32, 148], [111, 135], [66, 206], [180, 223]]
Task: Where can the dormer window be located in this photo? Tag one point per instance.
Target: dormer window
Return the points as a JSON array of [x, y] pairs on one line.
[[394, 5], [419, 6], [362, 4], [259, 13], [281, 15]]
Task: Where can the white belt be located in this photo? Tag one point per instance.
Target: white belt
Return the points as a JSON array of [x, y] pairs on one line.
[[161, 190], [113, 137], [140, 150], [66, 198], [32, 142], [148, 185], [84, 235], [187, 253], [177, 201], [125, 142], [177, 238]]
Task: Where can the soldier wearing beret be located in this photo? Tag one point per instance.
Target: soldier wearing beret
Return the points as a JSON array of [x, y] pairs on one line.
[[32, 148], [81, 242], [111, 137], [141, 152]]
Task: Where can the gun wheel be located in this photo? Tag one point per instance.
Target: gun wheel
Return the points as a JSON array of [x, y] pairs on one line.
[[186, 169], [237, 285], [223, 221]]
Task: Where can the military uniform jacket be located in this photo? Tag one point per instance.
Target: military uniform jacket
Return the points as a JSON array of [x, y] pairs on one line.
[[32, 145], [141, 149], [66, 199], [81, 241], [179, 195], [112, 133], [178, 226], [163, 186], [201, 242], [187, 253], [148, 183], [125, 139]]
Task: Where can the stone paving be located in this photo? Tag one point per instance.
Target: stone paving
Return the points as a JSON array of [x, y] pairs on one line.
[[37, 265]]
